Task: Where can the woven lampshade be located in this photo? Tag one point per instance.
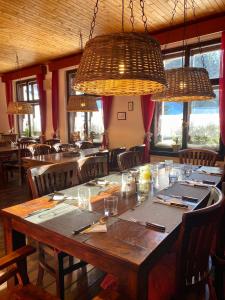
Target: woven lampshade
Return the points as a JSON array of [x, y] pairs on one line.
[[121, 64], [186, 84], [20, 108], [82, 104]]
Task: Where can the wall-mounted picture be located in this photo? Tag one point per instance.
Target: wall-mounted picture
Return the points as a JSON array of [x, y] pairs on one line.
[[121, 116], [130, 105]]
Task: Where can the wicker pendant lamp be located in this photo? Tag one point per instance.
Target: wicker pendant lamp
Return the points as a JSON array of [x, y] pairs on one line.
[[121, 63], [186, 84], [20, 108], [79, 103]]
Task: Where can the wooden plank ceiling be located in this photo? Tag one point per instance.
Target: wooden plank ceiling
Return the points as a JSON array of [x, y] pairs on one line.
[[40, 30]]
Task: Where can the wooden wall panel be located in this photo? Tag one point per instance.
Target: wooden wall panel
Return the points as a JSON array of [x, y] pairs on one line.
[[40, 30]]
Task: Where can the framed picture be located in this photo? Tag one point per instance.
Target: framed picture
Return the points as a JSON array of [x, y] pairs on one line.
[[121, 116], [130, 105]]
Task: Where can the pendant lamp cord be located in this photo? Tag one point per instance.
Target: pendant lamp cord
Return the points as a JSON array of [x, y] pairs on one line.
[[93, 20], [131, 6], [184, 33], [122, 15], [144, 18], [171, 21], [198, 35]]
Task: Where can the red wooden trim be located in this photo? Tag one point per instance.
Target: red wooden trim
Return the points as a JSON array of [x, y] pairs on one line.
[[25, 72], [204, 26], [65, 62]]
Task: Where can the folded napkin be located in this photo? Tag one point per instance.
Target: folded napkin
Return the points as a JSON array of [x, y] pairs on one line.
[[96, 228], [111, 190]]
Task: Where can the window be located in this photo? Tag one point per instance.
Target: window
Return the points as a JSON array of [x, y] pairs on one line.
[[91, 122], [191, 124], [29, 125]]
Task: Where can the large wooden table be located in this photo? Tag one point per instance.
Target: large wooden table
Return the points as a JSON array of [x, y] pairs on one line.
[[128, 249], [61, 157]]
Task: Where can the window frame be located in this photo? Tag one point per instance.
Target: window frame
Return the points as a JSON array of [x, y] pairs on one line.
[[68, 73], [187, 51], [32, 102]]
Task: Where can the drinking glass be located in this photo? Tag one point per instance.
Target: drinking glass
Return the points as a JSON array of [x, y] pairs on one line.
[[187, 170], [143, 189], [110, 206], [168, 164], [173, 176], [84, 195]]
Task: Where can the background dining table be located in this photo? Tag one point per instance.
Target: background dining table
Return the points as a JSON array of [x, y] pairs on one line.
[[128, 249]]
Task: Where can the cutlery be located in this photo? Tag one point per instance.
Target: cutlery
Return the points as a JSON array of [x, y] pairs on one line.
[[195, 185], [170, 203], [36, 212], [150, 225], [185, 198], [101, 221]]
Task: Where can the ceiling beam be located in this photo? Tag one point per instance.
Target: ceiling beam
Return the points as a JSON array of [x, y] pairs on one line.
[[204, 26]]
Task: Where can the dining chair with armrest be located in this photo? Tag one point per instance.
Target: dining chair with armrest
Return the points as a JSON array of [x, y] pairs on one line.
[[93, 167], [140, 149], [24, 290], [113, 162], [127, 160], [203, 157], [44, 180], [186, 272]]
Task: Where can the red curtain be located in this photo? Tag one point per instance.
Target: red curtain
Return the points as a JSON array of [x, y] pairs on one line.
[[107, 106], [222, 89], [43, 104], [55, 101], [9, 98], [148, 107]]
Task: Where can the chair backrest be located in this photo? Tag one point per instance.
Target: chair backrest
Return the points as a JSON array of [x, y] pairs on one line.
[[201, 157], [127, 160], [194, 243], [113, 153], [49, 178], [52, 142], [39, 149], [25, 143], [92, 167], [140, 149], [86, 145]]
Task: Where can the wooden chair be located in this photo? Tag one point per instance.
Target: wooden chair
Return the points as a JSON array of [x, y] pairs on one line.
[[113, 162], [46, 179], [25, 290], [42, 181], [127, 160], [184, 273], [218, 257], [140, 149], [86, 145], [92, 167], [52, 142], [201, 157], [39, 149]]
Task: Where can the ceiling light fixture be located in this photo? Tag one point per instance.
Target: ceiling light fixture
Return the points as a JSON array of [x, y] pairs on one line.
[[79, 103], [126, 63], [186, 83]]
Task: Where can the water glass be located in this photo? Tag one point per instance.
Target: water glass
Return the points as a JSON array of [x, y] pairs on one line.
[[127, 182], [168, 164], [143, 189], [84, 196], [110, 206], [187, 170], [173, 176]]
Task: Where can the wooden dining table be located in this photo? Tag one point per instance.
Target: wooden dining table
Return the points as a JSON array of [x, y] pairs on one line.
[[128, 249], [60, 157]]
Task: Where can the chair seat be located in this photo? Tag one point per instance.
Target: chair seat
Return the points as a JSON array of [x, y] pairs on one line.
[[27, 292]]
